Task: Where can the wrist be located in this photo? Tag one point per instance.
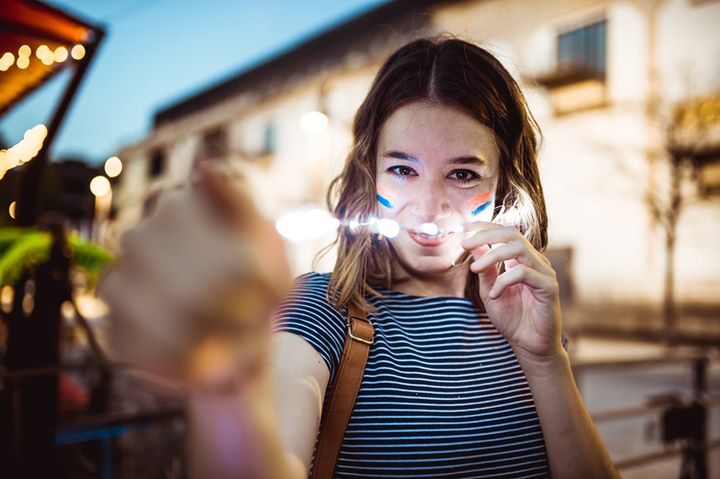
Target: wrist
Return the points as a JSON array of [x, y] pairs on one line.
[[543, 366]]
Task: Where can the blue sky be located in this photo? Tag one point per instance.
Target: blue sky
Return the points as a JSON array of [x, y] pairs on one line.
[[159, 51]]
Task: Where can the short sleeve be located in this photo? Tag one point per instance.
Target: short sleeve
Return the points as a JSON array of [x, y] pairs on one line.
[[305, 311]]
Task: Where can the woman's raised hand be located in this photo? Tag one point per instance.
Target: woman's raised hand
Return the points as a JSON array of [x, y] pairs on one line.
[[523, 301], [192, 292]]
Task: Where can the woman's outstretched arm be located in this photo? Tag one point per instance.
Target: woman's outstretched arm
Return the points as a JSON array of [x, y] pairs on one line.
[[267, 428]]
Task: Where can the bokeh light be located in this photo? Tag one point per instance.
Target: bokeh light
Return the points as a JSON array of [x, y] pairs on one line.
[[78, 52], [314, 122], [100, 186], [113, 167]]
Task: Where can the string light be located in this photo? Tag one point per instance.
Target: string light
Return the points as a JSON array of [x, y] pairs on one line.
[[430, 229], [23, 62], [6, 61], [60, 54], [25, 150], [77, 52], [45, 55], [306, 224], [313, 223]]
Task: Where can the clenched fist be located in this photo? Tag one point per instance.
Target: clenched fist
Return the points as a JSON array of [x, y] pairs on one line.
[[192, 292]]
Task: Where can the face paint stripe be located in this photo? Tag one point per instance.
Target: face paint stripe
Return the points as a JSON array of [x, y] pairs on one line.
[[480, 198], [481, 208], [383, 201]]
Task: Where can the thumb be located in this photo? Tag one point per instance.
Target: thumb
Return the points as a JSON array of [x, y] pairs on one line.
[[225, 189]]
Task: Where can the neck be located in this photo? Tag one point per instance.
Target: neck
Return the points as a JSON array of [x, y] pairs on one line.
[[449, 283]]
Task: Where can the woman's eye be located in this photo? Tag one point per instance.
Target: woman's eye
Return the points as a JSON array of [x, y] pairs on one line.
[[401, 170], [464, 176]]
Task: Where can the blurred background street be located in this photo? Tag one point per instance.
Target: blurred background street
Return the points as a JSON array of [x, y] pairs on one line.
[[106, 105]]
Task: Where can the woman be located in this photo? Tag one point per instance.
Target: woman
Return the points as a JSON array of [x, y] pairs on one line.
[[467, 375]]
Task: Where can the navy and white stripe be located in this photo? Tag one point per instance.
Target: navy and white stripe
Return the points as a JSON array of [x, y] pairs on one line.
[[443, 395]]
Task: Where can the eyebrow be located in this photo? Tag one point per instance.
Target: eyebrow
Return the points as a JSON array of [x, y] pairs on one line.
[[460, 160]]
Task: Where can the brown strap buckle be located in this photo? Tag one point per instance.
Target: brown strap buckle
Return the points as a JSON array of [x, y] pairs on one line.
[[357, 338]]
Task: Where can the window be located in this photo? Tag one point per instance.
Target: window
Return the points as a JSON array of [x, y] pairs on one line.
[[578, 81], [582, 50], [269, 139], [156, 167], [150, 203], [214, 144], [707, 173]]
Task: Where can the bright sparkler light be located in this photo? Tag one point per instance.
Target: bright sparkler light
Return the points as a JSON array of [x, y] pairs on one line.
[[306, 224]]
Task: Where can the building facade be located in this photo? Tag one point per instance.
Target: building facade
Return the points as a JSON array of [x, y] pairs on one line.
[[625, 92]]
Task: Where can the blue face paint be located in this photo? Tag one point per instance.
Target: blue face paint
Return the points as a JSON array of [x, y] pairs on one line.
[[481, 208], [383, 201]]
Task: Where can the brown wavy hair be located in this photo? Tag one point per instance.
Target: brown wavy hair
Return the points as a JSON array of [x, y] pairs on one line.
[[452, 72]]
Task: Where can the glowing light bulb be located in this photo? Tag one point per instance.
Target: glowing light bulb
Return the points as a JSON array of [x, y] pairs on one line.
[[77, 52], [24, 51], [60, 54], [42, 51], [7, 59], [23, 62], [430, 229], [11, 210], [388, 227], [306, 224]]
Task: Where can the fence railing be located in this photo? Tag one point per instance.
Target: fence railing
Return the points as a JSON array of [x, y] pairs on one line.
[[683, 420]]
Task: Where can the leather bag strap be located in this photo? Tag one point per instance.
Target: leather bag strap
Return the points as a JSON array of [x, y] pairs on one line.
[[360, 336]]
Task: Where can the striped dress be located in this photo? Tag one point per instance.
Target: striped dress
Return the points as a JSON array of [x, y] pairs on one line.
[[443, 395]]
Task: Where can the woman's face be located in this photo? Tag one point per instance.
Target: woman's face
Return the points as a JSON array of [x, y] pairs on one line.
[[435, 164]]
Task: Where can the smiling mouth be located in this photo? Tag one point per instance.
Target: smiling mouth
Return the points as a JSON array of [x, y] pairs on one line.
[[427, 240]]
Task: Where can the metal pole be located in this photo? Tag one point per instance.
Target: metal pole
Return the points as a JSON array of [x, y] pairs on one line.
[[699, 444]]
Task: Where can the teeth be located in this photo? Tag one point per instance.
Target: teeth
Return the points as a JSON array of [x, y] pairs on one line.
[[426, 236]]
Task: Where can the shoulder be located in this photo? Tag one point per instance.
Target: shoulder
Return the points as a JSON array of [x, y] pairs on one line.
[[309, 291], [306, 312]]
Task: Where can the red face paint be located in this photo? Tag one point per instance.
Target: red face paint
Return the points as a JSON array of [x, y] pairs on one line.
[[479, 203]]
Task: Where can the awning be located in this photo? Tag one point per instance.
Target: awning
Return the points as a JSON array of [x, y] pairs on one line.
[[36, 42]]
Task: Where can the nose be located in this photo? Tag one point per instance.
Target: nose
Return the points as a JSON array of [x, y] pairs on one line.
[[430, 203]]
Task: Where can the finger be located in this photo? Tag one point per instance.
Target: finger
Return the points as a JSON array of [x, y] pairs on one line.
[[486, 276], [492, 235], [227, 194], [513, 253], [522, 274]]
